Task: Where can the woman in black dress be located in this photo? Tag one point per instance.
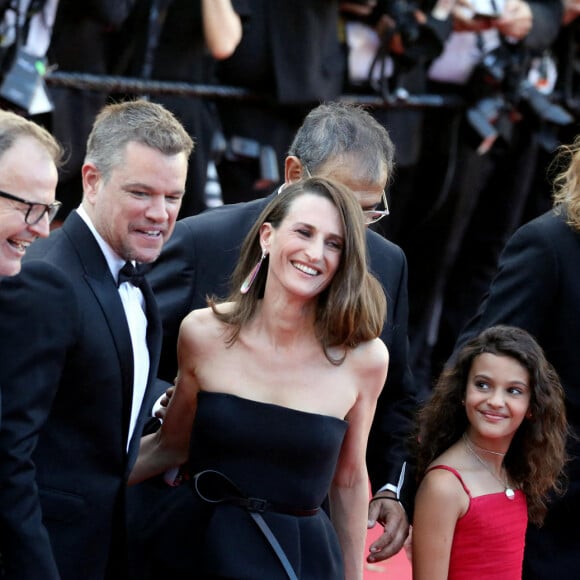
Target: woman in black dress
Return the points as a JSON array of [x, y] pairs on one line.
[[276, 392]]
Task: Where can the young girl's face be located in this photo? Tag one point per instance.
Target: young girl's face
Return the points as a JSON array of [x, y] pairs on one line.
[[497, 398]]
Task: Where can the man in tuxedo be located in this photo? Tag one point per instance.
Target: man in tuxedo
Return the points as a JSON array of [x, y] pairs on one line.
[[345, 143], [26, 196], [80, 338]]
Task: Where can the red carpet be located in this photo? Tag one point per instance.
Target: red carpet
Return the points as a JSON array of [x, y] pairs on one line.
[[396, 568]]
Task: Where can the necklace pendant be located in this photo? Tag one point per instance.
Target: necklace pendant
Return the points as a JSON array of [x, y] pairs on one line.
[[509, 492]]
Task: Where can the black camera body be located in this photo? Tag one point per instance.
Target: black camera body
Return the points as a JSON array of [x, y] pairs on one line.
[[500, 93]]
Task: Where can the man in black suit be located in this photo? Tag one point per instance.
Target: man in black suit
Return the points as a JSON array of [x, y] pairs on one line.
[[537, 287], [27, 203], [345, 143], [80, 348]]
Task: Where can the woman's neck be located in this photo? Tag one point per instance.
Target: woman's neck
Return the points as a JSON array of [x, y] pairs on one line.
[[285, 323]]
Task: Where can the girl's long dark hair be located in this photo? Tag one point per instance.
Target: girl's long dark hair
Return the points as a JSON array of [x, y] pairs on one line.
[[537, 454]]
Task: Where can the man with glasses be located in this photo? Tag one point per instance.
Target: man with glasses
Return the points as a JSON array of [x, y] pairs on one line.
[[80, 338], [345, 143], [373, 214], [29, 156]]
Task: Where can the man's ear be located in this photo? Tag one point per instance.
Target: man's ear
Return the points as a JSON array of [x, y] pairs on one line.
[[293, 169], [91, 179]]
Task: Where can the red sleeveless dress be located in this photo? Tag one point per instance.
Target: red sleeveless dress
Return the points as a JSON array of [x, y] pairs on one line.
[[489, 539]]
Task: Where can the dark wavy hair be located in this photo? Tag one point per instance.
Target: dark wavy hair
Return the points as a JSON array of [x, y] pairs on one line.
[[537, 454], [351, 309]]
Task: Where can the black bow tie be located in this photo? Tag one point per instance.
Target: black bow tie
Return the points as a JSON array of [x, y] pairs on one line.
[[128, 273]]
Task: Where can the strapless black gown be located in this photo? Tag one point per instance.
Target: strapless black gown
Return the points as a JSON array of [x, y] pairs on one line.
[[281, 455]]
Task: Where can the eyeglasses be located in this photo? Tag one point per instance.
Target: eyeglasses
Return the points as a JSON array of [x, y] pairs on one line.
[[372, 216], [36, 211]]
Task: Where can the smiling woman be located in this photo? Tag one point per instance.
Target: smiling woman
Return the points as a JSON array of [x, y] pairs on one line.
[[318, 224], [276, 391], [490, 447], [29, 156]]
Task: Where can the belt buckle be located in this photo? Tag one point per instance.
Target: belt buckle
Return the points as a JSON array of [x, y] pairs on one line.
[[256, 504]]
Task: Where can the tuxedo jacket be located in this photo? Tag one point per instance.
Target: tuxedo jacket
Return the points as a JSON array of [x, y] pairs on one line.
[[67, 381], [197, 262], [537, 287]]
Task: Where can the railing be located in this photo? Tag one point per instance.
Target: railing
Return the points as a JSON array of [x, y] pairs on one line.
[[117, 84]]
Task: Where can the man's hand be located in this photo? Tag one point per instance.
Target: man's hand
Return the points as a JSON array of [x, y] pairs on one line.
[[160, 407], [571, 11], [517, 19], [391, 515]]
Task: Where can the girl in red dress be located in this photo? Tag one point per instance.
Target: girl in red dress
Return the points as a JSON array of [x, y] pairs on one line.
[[491, 446]]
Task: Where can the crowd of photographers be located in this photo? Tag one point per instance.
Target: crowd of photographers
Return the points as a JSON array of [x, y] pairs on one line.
[[499, 85], [476, 94]]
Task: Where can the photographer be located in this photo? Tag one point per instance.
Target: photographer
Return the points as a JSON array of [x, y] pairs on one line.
[[290, 52], [390, 45], [483, 201]]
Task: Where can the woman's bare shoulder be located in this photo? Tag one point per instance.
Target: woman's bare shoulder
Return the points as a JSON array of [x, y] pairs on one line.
[[206, 315], [370, 362], [203, 324], [371, 355], [197, 317]]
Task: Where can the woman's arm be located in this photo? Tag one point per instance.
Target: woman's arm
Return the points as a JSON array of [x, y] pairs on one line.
[[439, 503], [222, 27], [168, 447], [349, 493]]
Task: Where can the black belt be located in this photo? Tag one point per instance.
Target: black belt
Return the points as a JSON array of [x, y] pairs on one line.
[[232, 494]]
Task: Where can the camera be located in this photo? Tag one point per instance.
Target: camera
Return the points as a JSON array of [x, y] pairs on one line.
[[500, 93]]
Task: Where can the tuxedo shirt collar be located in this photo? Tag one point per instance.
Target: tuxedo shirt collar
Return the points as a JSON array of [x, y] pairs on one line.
[[114, 261]]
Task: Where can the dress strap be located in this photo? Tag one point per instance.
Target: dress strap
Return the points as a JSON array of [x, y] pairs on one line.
[[455, 473]]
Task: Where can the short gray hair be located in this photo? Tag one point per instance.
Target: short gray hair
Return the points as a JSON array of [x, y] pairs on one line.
[[138, 121], [334, 130]]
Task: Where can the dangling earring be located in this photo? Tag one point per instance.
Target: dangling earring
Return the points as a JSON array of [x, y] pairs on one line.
[[247, 283]]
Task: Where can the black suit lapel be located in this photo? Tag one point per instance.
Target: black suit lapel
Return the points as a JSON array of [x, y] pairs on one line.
[[154, 327], [100, 280]]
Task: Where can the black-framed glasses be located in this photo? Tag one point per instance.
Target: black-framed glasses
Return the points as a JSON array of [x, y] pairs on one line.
[[36, 211], [372, 216]]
